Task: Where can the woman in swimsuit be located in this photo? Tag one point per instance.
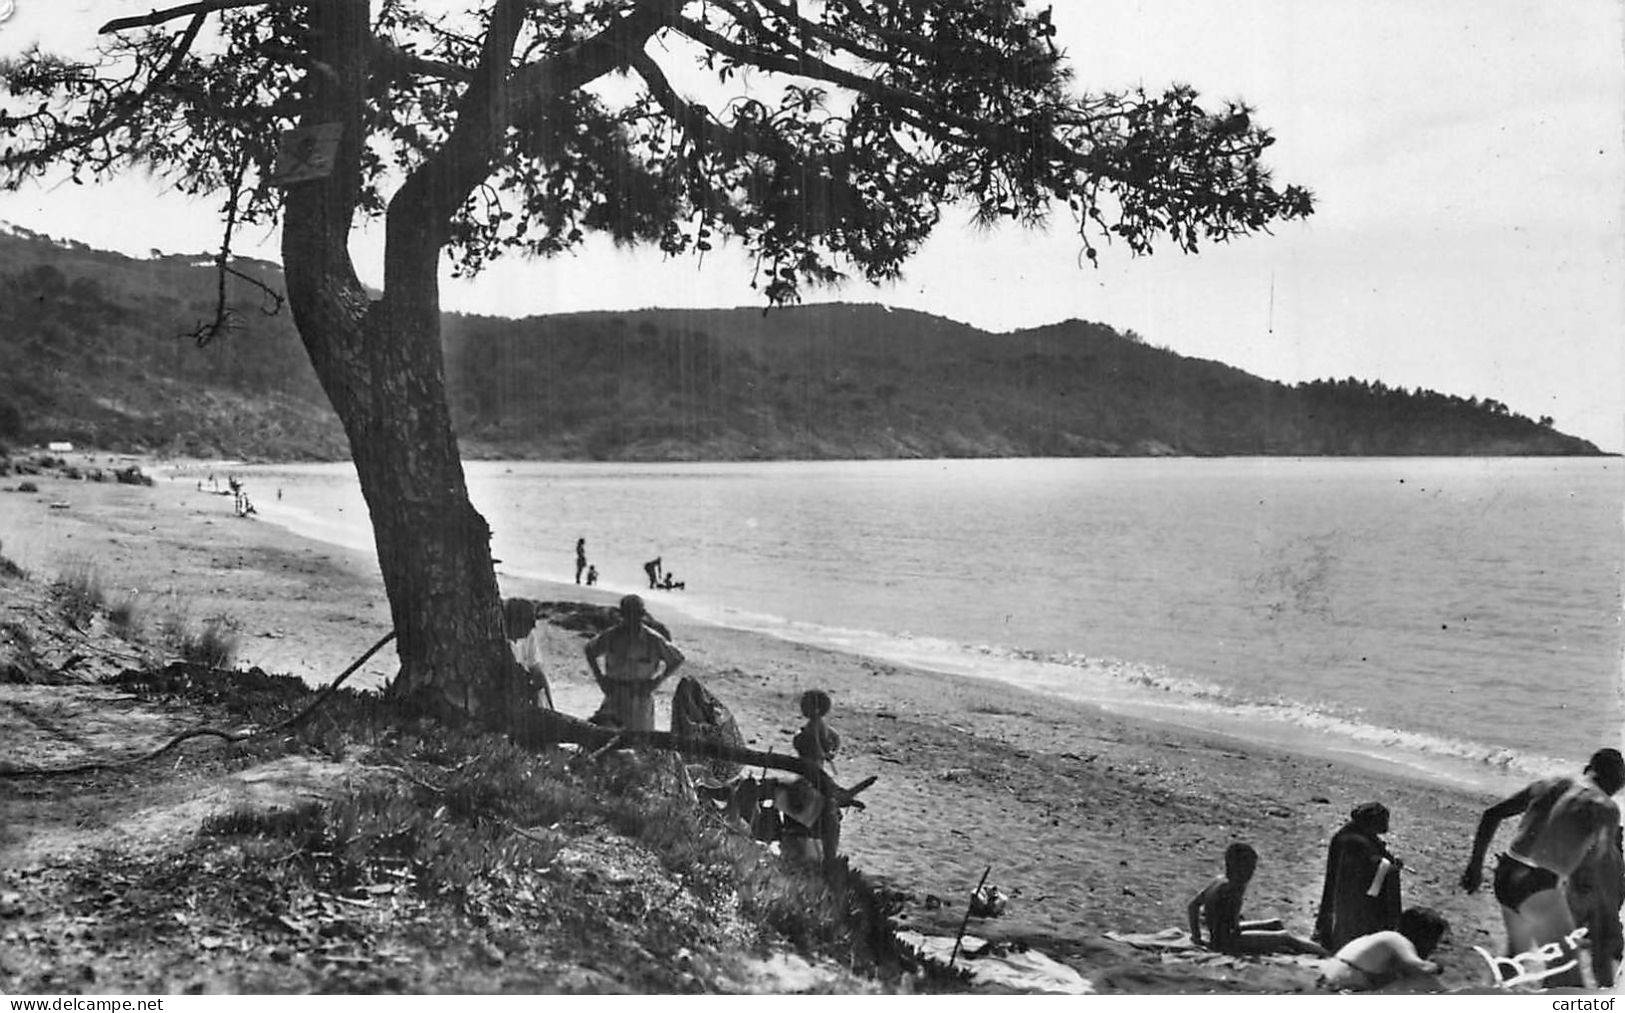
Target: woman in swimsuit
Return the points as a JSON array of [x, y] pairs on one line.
[[1379, 959]]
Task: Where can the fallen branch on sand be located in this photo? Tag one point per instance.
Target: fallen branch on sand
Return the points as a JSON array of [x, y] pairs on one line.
[[195, 733], [534, 729], [543, 727]]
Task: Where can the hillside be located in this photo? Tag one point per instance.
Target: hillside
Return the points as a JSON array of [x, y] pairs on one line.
[[93, 350]]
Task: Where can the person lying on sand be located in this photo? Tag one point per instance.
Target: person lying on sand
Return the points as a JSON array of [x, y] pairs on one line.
[[1565, 820], [1379, 959], [1219, 904]]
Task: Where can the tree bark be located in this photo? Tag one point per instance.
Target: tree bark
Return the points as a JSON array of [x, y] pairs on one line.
[[433, 546], [382, 367], [381, 363]]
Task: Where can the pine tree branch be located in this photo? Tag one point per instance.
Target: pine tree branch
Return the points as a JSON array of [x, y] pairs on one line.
[[170, 14], [132, 104]]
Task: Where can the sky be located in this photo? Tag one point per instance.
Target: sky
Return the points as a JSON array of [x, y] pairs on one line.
[[1466, 157]]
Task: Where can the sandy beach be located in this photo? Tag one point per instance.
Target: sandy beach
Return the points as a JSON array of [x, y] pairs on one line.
[[1089, 823]]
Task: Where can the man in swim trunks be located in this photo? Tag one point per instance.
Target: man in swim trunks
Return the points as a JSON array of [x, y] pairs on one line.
[[1564, 818]]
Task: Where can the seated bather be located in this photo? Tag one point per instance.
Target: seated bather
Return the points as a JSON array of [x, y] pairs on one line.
[[1219, 905]]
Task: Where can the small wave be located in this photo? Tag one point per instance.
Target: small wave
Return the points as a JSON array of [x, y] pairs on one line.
[[1197, 696], [1103, 681], [1119, 684]]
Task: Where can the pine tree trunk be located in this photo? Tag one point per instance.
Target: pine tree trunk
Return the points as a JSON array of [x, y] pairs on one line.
[[433, 547], [382, 367]]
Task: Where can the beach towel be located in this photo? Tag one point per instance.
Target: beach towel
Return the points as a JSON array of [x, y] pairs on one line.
[[1023, 970], [1175, 946]]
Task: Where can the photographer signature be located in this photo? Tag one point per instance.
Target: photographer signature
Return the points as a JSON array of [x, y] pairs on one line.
[[1544, 960]]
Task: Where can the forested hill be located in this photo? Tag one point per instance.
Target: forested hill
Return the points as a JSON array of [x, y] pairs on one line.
[[93, 350]]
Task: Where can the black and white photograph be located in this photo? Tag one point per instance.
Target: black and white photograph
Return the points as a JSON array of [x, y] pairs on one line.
[[871, 497]]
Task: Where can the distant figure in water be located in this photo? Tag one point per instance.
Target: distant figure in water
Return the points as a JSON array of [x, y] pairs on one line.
[[1219, 905], [637, 659], [592, 575], [279, 494], [1567, 823], [1361, 894], [1379, 959], [670, 584], [581, 558], [652, 568]]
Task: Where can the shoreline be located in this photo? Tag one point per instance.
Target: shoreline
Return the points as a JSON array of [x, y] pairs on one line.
[[1091, 821], [1142, 692]]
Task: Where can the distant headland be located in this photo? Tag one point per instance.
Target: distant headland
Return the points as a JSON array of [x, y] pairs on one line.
[[95, 351]]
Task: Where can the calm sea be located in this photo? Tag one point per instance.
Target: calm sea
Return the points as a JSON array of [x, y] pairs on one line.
[[1461, 617]]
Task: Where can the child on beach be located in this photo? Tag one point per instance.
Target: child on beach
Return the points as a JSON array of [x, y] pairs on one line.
[[1379, 959], [1219, 905]]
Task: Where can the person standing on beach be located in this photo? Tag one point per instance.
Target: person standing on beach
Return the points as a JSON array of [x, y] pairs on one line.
[[1361, 893], [1566, 821], [581, 558], [652, 568], [637, 659]]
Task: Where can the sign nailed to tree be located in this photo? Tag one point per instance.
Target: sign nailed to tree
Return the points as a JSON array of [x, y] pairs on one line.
[[306, 153]]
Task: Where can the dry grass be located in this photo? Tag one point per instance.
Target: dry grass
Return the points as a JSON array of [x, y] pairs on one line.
[[126, 616], [9, 568], [79, 594], [452, 824], [215, 644]]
